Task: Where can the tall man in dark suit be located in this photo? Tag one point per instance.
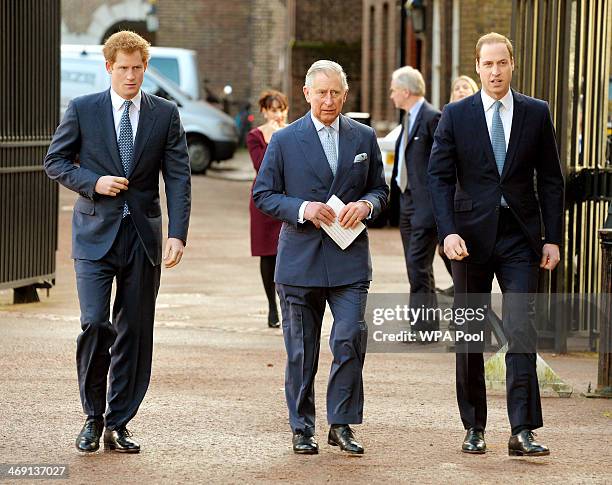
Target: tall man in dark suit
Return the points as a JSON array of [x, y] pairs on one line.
[[320, 155], [416, 222], [121, 138], [487, 149]]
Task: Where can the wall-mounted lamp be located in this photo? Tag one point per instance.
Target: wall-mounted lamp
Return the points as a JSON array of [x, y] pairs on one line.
[[416, 10]]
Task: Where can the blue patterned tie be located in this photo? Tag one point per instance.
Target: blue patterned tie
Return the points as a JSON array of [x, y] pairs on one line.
[[498, 140], [329, 146], [126, 144]]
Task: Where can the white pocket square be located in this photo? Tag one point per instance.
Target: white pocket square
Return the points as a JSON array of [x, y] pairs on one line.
[[360, 158]]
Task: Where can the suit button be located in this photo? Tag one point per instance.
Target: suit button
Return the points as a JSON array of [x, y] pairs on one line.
[[313, 190], [497, 209]]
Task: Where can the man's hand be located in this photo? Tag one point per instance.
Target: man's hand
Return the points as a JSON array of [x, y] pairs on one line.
[[319, 213], [352, 213], [111, 185], [454, 247], [550, 256], [174, 252]]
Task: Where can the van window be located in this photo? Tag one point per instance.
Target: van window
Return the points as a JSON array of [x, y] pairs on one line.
[[168, 66], [78, 78], [151, 87]]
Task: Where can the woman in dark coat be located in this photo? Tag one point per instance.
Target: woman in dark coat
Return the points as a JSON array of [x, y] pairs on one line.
[[265, 229]]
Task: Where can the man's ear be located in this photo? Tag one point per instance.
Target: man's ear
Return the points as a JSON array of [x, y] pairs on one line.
[[306, 95], [109, 67], [477, 68]]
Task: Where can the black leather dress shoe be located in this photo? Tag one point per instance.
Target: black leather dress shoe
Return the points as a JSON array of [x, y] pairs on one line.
[[524, 444], [88, 439], [342, 435], [120, 440], [305, 445], [474, 442]]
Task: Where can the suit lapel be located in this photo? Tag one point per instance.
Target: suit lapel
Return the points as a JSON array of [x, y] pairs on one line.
[[480, 123], [146, 121], [515, 132], [347, 144], [105, 113], [415, 126], [310, 144]]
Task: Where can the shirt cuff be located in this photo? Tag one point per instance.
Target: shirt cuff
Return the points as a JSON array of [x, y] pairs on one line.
[[370, 205], [301, 212]]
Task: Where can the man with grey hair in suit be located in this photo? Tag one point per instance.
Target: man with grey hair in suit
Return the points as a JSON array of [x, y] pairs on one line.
[[417, 224], [322, 154]]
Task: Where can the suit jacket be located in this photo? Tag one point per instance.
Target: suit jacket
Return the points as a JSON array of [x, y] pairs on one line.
[[466, 187], [87, 131], [295, 169], [416, 159]]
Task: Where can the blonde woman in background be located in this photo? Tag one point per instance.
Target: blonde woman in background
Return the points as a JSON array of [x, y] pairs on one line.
[[462, 87]]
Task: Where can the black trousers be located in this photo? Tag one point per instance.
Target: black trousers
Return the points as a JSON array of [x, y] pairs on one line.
[[121, 351], [420, 245], [516, 267]]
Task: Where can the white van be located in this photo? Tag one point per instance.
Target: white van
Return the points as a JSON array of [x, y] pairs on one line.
[[178, 65], [211, 133]]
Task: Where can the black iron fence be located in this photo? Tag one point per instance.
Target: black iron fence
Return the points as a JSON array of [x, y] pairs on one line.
[[29, 94], [562, 52]]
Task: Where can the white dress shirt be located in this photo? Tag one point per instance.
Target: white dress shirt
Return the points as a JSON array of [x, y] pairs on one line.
[[505, 112], [414, 112], [117, 102], [319, 126]]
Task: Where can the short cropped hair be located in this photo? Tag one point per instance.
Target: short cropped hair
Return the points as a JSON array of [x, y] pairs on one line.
[[271, 96], [493, 38], [409, 78], [326, 67], [127, 42]]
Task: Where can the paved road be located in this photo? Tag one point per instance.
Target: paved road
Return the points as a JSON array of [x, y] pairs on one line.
[[215, 410]]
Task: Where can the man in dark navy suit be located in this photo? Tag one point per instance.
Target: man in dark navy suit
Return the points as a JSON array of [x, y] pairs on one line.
[[416, 222], [110, 148], [487, 150], [320, 155]]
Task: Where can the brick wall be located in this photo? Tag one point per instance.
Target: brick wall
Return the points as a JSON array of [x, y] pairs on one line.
[[219, 32], [323, 30], [77, 14]]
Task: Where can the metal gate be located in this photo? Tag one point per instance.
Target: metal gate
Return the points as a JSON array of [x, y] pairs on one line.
[[563, 50], [29, 94]]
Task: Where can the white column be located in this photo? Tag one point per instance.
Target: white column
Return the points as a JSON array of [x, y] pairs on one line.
[[435, 56]]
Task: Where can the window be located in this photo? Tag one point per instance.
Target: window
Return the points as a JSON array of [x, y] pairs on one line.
[[168, 66]]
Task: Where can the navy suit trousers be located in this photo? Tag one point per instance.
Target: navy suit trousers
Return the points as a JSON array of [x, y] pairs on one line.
[[516, 266], [303, 309], [120, 351]]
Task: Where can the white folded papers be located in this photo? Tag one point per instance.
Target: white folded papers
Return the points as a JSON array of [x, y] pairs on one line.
[[342, 236]]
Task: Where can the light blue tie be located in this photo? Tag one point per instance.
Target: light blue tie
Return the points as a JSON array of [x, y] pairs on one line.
[[498, 141], [329, 147], [126, 144]]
